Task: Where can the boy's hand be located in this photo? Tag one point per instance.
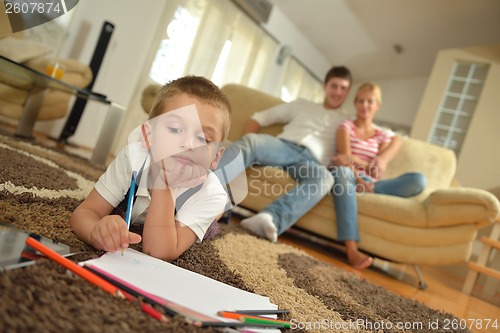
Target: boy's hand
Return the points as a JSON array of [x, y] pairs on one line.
[[111, 234], [184, 175], [176, 175]]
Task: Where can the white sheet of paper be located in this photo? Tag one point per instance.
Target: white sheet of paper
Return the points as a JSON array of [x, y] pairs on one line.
[[179, 285]]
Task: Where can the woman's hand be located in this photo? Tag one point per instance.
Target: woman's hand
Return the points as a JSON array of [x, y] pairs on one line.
[[363, 186], [377, 167], [342, 160]]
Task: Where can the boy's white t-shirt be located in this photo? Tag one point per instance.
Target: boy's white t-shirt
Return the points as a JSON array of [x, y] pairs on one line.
[[198, 211]]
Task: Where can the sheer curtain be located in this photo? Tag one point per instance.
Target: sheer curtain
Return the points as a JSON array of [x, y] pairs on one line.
[[299, 83], [215, 39]]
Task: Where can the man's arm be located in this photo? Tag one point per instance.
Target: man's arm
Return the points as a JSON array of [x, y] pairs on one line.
[[251, 127], [279, 114]]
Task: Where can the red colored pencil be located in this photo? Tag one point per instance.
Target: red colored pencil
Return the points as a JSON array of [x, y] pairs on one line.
[[91, 277]]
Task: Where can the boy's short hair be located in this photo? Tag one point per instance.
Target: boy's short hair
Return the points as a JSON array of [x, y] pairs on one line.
[[198, 87], [340, 72]]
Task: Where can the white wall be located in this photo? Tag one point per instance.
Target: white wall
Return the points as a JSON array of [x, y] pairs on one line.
[[479, 162], [288, 34], [123, 73], [135, 25], [400, 99], [401, 96]]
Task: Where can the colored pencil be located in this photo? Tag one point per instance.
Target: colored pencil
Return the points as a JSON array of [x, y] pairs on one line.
[[261, 312], [236, 315], [90, 277], [151, 299], [198, 323], [264, 321], [171, 308], [75, 268], [130, 202]]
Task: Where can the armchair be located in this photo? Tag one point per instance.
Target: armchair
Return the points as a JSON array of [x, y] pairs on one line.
[[35, 55]]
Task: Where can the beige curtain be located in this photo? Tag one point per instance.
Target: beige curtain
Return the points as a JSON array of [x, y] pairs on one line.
[[299, 83], [215, 39]]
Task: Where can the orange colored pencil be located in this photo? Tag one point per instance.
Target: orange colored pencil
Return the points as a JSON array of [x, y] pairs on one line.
[[238, 316], [75, 268], [91, 277]]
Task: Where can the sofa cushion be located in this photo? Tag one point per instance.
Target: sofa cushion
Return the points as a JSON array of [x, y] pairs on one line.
[[21, 50], [12, 94], [438, 164], [245, 102], [75, 72]]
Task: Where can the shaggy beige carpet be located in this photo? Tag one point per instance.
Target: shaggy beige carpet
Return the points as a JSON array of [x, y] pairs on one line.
[[39, 188]]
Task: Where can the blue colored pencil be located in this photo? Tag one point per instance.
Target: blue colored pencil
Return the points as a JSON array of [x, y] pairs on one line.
[[130, 202]]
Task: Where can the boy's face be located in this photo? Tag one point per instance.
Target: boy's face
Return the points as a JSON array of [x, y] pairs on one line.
[[187, 133]]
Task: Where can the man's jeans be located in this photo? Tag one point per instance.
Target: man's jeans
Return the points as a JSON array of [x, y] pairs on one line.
[[314, 180], [345, 202]]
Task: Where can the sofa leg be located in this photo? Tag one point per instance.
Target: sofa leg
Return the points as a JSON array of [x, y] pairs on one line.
[[421, 283]]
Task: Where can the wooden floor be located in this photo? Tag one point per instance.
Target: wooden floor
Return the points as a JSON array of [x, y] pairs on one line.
[[443, 290]]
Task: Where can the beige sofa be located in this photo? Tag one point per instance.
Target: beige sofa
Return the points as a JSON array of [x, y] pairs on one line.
[[13, 93], [436, 227]]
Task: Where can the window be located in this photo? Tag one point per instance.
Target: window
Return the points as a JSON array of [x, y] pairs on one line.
[[458, 105], [175, 48], [216, 40], [299, 83]]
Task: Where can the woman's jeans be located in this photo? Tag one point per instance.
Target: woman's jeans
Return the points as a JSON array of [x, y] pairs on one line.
[[345, 201], [314, 180]]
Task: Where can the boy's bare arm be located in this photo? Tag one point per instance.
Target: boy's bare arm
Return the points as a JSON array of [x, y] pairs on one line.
[[164, 237], [92, 224]]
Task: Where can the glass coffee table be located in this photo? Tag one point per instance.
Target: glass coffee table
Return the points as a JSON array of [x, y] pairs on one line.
[[19, 75]]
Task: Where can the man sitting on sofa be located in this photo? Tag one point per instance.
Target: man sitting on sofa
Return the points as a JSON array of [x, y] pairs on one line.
[[304, 149]]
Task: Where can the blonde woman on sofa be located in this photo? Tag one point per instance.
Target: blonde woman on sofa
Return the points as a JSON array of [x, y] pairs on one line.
[[362, 155]]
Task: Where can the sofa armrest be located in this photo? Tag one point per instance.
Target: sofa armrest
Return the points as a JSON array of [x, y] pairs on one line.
[[75, 73], [148, 96], [461, 205]]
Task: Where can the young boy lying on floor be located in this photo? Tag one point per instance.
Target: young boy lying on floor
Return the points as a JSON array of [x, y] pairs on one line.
[[177, 197]]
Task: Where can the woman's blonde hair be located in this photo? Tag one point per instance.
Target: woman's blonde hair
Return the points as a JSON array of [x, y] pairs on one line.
[[197, 87], [370, 87]]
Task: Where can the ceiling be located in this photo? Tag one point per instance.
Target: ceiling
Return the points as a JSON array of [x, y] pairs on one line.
[[363, 34]]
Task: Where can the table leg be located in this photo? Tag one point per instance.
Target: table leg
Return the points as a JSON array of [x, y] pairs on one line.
[[30, 112], [107, 134]]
